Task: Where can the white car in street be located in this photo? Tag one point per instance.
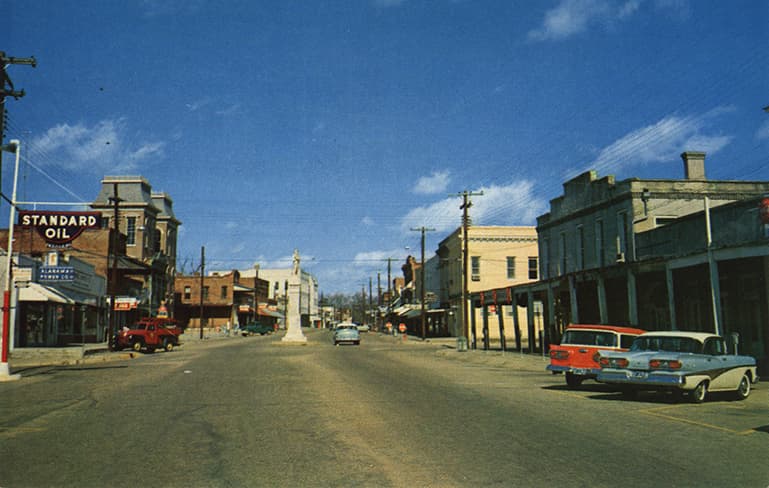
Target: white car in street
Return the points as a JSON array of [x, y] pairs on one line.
[[685, 363]]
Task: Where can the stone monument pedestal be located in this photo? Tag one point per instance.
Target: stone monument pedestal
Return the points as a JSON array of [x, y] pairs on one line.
[[294, 333]]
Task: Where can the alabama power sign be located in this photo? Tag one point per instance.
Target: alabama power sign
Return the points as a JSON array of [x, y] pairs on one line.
[[59, 228]]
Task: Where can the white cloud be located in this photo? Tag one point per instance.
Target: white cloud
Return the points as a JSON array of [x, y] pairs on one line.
[[662, 141], [367, 221], [763, 132], [512, 204], [433, 184], [95, 149], [572, 17]]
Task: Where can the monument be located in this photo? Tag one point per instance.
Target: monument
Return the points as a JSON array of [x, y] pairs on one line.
[[293, 314]]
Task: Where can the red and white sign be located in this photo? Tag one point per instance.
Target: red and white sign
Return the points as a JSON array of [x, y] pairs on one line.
[[59, 227]]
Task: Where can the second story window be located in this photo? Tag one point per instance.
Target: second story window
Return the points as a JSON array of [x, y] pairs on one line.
[[511, 267], [130, 231], [622, 231], [599, 243], [187, 292], [533, 268], [205, 293], [475, 265], [563, 252], [580, 247], [223, 292]]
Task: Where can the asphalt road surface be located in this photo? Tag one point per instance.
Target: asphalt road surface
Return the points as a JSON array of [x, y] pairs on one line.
[[251, 412]]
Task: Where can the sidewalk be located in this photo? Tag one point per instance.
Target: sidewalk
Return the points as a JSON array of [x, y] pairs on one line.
[[446, 347], [31, 357]]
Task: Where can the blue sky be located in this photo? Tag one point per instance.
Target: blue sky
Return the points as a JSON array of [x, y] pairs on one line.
[[337, 126]]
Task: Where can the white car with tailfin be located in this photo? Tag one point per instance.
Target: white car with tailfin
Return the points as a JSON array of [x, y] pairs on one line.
[[685, 363]]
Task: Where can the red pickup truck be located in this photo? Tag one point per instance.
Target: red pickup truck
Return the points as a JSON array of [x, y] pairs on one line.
[[150, 334]]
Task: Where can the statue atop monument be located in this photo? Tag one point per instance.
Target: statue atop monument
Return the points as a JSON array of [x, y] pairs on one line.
[[297, 259]]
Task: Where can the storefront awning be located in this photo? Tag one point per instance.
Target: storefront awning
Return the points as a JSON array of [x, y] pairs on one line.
[[269, 313], [36, 292]]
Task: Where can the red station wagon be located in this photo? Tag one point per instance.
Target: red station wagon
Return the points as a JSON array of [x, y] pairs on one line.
[[577, 355]]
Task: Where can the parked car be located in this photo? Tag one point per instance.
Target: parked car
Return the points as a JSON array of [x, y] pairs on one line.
[[363, 328], [256, 328], [686, 363], [578, 353], [346, 332]]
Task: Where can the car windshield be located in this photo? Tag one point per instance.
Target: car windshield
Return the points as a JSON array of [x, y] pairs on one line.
[[666, 343], [589, 338]]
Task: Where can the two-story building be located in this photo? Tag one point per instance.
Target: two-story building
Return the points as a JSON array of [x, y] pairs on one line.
[[498, 257], [606, 252], [228, 300], [149, 225]]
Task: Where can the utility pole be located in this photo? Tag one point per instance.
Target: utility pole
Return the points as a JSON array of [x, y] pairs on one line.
[[465, 207], [7, 89], [378, 299], [202, 284], [389, 287], [256, 298], [370, 300], [423, 229], [112, 282]]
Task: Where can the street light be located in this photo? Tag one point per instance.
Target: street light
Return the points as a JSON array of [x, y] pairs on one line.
[[14, 146]]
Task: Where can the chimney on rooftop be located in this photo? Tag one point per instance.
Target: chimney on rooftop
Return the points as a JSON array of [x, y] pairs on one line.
[[694, 165]]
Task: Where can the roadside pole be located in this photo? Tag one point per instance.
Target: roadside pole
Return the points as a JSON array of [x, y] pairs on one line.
[[4, 369]]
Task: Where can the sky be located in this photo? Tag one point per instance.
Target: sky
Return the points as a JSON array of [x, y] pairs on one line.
[[338, 127]]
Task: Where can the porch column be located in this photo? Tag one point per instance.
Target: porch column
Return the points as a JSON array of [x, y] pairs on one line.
[[474, 340], [485, 316], [550, 317], [632, 298], [671, 297], [602, 310], [516, 322], [573, 308], [501, 319], [530, 321]]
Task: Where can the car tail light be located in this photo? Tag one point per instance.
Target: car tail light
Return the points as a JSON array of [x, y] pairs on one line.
[[664, 364], [613, 362], [559, 354]]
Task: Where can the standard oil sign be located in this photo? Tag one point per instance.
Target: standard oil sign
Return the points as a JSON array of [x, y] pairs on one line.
[[59, 228]]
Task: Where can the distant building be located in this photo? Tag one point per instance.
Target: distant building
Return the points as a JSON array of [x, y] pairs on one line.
[[228, 299], [307, 294]]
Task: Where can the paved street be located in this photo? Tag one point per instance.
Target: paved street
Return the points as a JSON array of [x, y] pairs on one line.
[[252, 412]]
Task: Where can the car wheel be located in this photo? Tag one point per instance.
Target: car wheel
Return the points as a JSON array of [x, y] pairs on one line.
[[168, 345], [573, 380], [744, 389], [136, 346], [698, 394]]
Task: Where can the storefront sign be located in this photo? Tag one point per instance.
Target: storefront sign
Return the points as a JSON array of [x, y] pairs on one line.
[[59, 228], [126, 303], [57, 273]]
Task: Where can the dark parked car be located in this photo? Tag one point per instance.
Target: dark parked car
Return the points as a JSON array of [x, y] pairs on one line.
[[255, 328]]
